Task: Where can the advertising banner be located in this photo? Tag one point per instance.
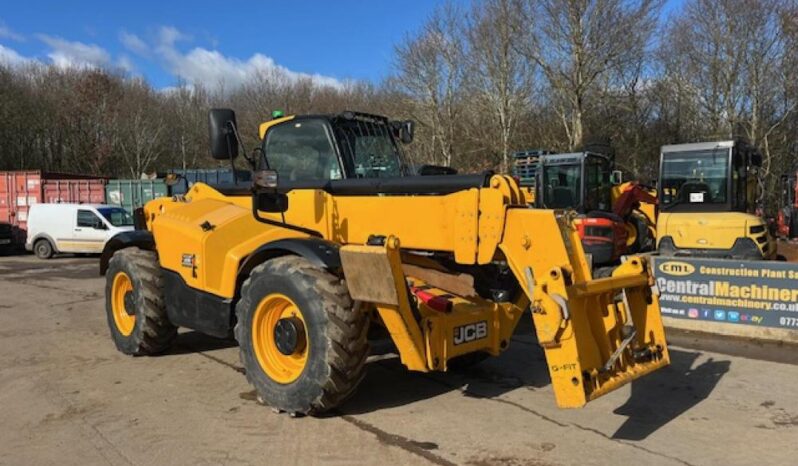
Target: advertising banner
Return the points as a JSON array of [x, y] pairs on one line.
[[746, 293]]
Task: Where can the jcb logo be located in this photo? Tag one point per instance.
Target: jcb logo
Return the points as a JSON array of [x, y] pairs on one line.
[[470, 332], [676, 268]]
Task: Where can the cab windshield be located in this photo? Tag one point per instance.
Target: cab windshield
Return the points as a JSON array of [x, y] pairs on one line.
[[694, 178], [562, 184], [305, 150], [370, 148], [117, 217]]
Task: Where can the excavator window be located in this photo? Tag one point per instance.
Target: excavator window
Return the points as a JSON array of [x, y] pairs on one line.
[[597, 184], [695, 178]]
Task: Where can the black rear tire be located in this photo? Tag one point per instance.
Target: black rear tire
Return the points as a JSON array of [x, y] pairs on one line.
[[643, 241], [151, 332], [43, 249], [335, 334]]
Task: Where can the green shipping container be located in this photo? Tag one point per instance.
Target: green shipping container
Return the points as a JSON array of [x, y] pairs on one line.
[[132, 194]]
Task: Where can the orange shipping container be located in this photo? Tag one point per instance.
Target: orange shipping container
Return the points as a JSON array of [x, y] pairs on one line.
[[21, 189]]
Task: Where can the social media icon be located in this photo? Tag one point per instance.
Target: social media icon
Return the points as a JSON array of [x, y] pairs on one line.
[[733, 316], [692, 313], [720, 314]]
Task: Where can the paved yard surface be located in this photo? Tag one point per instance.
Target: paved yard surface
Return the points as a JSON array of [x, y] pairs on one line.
[[68, 397]]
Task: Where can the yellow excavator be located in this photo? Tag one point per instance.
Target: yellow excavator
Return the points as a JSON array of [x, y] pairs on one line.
[[707, 194], [334, 237]]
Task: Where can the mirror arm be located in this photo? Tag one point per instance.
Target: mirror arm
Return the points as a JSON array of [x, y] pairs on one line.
[[283, 224], [249, 159]]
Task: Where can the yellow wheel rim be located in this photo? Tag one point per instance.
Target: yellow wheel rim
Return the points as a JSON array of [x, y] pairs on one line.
[[121, 287], [279, 367]]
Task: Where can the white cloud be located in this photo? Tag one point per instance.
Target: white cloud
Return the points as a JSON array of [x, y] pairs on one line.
[[10, 57], [124, 62], [7, 33], [134, 43], [73, 54], [168, 35], [212, 68], [196, 66]]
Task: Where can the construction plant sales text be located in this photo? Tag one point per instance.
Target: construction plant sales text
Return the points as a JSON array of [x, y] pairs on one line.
[[754, 273]]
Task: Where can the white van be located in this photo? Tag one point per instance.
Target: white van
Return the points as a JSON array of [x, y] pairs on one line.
[[78, 228]]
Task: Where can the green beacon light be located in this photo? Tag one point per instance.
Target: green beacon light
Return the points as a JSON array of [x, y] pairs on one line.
[[277, 114]]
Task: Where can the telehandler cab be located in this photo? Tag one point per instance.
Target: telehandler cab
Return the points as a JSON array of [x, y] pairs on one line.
[[299, 268]]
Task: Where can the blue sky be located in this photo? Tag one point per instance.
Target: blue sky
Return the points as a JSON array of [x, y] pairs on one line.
[[333, 40]]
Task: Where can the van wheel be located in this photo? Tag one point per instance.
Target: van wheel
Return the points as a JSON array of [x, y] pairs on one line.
[[134, 303], [302, 342], [43, 249]]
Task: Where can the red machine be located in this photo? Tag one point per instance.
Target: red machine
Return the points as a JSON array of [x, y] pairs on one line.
[[610, 224]]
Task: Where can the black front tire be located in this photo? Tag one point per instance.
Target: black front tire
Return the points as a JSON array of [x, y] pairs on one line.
[[152, 332], [43, 249], [336, 332]]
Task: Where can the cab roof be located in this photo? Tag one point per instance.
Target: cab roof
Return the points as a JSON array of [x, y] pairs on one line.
[[698, 146], [348, 115]]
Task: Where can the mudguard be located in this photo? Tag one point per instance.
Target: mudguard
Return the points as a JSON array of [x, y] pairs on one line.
[[321, 253], [141, 239]]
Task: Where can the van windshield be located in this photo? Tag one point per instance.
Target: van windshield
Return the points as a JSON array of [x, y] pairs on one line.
[[117, 217]]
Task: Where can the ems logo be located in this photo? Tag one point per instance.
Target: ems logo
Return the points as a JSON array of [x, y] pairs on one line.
[[677, 268], [470, 332]]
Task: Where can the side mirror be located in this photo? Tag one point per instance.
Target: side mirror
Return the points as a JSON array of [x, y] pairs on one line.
[[616, 177], [271, 202], [221, 128], [408, 131], [99, 225]]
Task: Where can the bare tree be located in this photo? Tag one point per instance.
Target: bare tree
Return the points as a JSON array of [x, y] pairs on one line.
[[430, 71], [734, 56], [577, 42], [501, 77], [141, 130]]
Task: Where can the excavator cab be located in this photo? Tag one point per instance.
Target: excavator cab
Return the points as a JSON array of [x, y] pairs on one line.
[[708, 194]]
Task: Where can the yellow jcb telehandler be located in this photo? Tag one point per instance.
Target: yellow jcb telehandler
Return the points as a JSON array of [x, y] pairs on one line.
[[301, 267]]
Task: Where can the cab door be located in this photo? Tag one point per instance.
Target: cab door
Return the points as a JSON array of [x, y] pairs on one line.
[[88, 234]]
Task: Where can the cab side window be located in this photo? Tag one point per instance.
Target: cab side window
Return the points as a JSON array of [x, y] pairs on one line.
[[302, 150], [87, 219]]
